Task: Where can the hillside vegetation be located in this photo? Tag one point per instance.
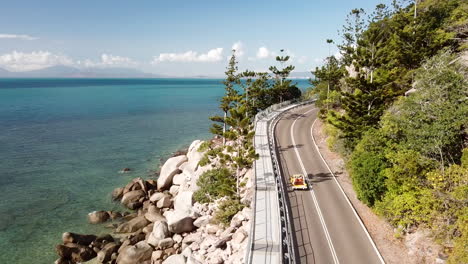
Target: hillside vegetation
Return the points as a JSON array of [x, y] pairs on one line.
[[396, 107]]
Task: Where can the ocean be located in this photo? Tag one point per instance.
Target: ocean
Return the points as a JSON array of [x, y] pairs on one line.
[[64, 141]]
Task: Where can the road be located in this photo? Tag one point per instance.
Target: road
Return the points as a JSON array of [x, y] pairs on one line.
[[327, 229]]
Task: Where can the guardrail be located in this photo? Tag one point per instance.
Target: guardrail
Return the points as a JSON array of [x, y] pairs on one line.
[[264, 247]]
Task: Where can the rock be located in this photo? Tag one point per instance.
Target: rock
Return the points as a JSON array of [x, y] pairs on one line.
[[187, 252], [237, 219], [177, 238], [132, 186], [247, 213], [174, 190], [175, 259], [238, 237], [215, 259], [63, 261], [154, 214], [178, 179], [195, 246], [193, 155], [117, 194], [75, 252], [164, 202], [165, 243], [114, 215], [135, 238], [211, 229], [195, 176], [179, 222], [202, 221], [169, 251], [131, 199], [152, 184], [183, 202], [105, 254], [136, 254], [228, 231], [192, 237], [157, 196], [69, 237], [133, 225], [221, 243], [192, 260], [101, 241], [160, 231], [148, 229], [124, 170], [157, 255], [168, 170], [98, 217]]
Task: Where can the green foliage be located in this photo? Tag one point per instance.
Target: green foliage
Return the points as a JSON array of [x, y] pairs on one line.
[[227, 209], [409, 208], [215, 184], [460, 250], [407, 171], [367, 164], [204, 146], [433, 120]]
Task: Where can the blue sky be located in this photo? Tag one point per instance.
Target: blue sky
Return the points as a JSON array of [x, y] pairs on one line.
[[176, 37]]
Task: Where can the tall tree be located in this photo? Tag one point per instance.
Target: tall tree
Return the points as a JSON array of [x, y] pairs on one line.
[[351, 33], [283, 89], [229, 100]]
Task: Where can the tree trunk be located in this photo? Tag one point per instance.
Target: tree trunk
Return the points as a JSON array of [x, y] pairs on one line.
[[224, 128]]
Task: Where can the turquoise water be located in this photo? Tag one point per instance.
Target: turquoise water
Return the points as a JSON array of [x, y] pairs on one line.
[[63, 141]]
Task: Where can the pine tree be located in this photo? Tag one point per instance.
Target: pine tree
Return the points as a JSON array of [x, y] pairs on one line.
[[230, 99], [283, 89]]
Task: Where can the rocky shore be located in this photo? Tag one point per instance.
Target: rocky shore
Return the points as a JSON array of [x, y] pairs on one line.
[[165, 224]]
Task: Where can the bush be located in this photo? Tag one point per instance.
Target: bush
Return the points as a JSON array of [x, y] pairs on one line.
[[204, 146], [226, 211], [460, 249], [215, 184], [408, 171], [409, 209], [367, 164]]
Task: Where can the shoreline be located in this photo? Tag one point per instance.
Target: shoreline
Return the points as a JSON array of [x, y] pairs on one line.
[[163, 223]]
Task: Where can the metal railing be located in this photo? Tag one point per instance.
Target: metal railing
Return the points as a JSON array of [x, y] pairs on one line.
[[288, 249]]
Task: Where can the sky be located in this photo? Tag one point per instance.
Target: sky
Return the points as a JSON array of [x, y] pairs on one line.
[[176, 37]]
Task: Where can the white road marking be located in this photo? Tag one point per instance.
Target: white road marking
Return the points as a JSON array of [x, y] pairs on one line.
[[344, 194], [314, 198]]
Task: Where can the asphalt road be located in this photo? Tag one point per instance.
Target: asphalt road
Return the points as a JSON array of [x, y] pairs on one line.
[[327, 229]]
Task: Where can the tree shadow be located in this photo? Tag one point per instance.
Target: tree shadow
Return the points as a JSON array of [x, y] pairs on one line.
[[290, 147], [319, 177]]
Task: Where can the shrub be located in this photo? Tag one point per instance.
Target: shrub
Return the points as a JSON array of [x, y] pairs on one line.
[[204, 146], [409, 209], [215, 184], [227, 209], [367, 164]]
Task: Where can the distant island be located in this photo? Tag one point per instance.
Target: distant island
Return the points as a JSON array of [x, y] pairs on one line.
[[62, 71]]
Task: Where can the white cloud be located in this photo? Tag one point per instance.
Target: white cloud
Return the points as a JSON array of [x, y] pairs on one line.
[[239, 47], [20, 61], [263, 53], [13, 36], [212, 55], [108, 61]]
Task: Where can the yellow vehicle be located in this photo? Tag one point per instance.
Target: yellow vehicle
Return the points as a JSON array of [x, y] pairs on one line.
[[298, 182]]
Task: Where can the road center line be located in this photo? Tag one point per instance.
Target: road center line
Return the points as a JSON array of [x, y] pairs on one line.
[[314, 198], [346, 197]]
